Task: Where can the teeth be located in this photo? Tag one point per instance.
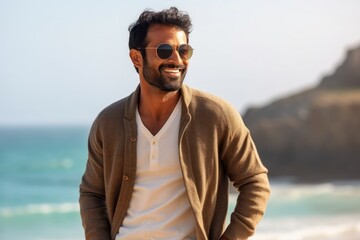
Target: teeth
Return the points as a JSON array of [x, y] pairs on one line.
[[171, 70]]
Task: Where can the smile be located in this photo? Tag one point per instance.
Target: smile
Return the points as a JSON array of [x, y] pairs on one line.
[[172, 70]]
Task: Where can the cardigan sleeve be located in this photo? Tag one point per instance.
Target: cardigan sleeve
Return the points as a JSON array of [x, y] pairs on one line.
[[248, 175], [93, 209]]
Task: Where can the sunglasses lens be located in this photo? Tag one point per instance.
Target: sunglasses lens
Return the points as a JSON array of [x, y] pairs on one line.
[[185, 51], [164, 51]]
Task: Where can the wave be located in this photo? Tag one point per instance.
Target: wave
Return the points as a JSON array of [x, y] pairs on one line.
[[296, 192], [53, 164], [345, 227], [293, 191], [39, 209], [301, 200]]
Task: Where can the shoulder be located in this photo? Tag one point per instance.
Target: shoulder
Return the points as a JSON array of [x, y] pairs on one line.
[[206, 102], [112, 111], [111, 117]]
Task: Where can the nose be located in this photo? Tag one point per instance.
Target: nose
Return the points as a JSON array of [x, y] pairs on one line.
[[175, 56]]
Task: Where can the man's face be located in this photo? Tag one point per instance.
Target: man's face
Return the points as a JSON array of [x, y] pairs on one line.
[[164, 74]]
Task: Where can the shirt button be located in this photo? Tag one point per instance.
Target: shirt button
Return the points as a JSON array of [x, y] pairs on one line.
[[125, 177], [133, 139]]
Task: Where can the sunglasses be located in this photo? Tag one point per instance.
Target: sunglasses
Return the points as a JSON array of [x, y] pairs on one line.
[[164, 50]]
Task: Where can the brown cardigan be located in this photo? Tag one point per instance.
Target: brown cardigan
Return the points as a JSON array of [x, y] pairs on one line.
[[214, 146]]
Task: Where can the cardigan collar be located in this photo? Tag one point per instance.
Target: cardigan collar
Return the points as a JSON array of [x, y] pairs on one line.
[[133, 100]]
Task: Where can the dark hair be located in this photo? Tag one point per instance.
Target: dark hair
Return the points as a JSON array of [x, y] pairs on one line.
[[172, 17]]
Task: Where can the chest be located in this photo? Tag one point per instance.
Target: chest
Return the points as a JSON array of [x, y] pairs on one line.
[[158, 152]]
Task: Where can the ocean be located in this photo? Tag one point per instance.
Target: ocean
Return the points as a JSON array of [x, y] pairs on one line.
[[41, 168]]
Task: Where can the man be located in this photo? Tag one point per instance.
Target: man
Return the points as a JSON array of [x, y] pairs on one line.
[[160, 159]]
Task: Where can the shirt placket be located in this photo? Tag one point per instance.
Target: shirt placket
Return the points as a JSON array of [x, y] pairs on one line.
[[154, 153]]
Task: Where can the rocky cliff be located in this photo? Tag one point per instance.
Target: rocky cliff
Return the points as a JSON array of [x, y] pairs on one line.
[[313, 135]]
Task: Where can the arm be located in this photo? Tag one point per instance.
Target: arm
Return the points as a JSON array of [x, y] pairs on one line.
[[249, 209], [249, 176], [92, 193]]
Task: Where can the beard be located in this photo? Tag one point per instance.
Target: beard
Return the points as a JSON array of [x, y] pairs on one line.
[[167, 84]]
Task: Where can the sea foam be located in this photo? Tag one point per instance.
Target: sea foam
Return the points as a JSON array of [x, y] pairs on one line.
[[342, 227], [39, 209]]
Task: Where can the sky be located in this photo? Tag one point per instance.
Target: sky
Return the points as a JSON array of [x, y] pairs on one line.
[[62, 62]]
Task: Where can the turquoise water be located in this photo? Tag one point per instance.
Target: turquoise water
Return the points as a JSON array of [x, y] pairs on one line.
[[41, 168]]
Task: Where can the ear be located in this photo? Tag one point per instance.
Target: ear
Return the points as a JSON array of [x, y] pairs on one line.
[[136, 57]]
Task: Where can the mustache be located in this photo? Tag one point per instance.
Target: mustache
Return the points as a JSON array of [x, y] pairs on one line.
[[182, 67]]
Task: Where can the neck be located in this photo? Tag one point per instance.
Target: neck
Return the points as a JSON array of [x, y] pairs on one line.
[[155, 107]]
